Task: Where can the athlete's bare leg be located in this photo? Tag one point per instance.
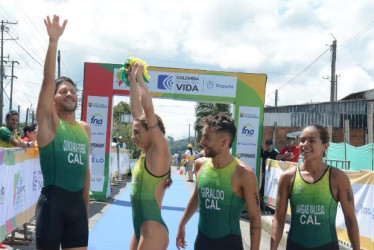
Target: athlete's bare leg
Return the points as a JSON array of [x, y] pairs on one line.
[[153, 236]]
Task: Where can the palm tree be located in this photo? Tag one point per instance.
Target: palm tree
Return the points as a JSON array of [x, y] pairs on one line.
[[203, 109]]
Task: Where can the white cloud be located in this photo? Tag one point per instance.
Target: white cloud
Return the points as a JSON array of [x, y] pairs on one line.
[[278, 38]]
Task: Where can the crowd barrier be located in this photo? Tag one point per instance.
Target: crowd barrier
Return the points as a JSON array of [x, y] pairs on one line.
[[21, 181], [119, 162], [363, 189], [361, 158]]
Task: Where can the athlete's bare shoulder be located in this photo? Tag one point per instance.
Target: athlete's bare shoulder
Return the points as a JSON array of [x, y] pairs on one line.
[[86, 128], [199, 163], [244, 171]]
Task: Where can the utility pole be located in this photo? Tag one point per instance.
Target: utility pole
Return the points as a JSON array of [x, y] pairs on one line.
[[189, 136], [276, 98], [333, 97], [58, 64], [2, 29], [11, 85]]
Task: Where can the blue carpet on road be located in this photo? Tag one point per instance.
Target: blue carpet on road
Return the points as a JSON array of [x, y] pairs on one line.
[[114, 229]]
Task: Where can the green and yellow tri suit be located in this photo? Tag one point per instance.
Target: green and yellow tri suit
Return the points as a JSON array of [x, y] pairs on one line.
[[6, 135], [220, 207], [313, 213], [64, 160], [143, 201]]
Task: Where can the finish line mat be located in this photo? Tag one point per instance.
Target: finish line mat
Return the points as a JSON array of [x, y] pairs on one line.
[[114, 229]]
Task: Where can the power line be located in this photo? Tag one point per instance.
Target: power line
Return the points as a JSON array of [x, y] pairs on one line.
[[27, 52], [357, 36], [302, 71]]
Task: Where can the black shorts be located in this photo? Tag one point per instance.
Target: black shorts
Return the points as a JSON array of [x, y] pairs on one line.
[[294, 246], [61, 219], [229, 242]]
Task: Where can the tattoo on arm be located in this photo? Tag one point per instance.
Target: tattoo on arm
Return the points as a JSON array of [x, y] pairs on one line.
[[257, 199], [277, 204], [348, 194], [254, 229]]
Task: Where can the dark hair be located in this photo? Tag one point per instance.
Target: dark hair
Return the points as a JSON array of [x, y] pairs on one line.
[[10, 113], [323, 133], [29, 128], [222, 123], [160, 123], [62, 79]]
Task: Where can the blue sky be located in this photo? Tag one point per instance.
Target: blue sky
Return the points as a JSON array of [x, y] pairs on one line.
[[278, 38]]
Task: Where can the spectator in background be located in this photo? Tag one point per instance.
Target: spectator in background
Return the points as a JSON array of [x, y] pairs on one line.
[[29, 133], [8, 133], [120, 143], [267, 152], [290, 152], [114, 142], [190, 158]]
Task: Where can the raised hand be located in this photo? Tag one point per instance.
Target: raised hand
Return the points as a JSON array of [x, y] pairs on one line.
[[139, 73], [54, 29], [132, 74]]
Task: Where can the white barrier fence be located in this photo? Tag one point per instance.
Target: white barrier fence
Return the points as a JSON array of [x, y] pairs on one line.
[[21, 181], [363, 189]]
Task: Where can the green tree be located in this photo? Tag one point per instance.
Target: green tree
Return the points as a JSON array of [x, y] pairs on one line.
[[123, 128], [203, 109]]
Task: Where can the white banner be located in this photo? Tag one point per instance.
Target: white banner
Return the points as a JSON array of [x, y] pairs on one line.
[[20, 185], [363, 190], [247, 135], [183, 83], [97, 115]]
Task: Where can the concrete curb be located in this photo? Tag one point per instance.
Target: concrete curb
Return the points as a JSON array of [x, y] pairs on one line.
[[266, 221]]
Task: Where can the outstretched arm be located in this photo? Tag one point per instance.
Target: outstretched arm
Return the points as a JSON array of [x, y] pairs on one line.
[[346, 199], [145, 98], [248, 182], [45, 113], [135, 104], [277, 226], [190, 209], [188, 213]]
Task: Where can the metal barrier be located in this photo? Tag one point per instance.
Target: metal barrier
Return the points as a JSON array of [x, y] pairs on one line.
[[342, 164]]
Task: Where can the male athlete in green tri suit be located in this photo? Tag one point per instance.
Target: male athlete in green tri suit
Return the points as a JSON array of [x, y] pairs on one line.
[[62, 208], [314, 190], [150, 175], [225, 186]]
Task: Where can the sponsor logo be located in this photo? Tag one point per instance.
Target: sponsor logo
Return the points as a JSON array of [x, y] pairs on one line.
[[188, 78], [248, 115], [247, 144], [37, 180], [224, 86], [97, 119], [97, 159], [209, 84], [2, 195], [165, 82], [97, 145], [97, 133], [248, 130], [97, 105], [96, 178], [19, 188], [245, 155]]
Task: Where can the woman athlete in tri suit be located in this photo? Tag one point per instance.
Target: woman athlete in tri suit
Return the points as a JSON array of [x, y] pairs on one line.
[[314, 190], [151, 173]]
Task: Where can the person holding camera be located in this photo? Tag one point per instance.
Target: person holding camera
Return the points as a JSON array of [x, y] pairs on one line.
[[290, 152]]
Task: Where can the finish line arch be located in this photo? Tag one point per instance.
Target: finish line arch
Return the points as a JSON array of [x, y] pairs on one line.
[[101, 82]]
